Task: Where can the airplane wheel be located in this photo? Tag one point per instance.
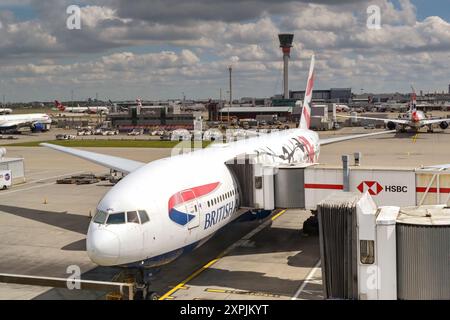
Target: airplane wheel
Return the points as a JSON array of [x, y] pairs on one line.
[[151, 295]]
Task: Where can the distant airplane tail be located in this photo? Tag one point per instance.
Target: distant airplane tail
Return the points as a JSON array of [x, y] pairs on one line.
[[413, 102], [305, 119], [59, 106]]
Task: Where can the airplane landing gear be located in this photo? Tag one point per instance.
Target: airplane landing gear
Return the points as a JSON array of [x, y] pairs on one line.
[[430, 129], [142, 285]]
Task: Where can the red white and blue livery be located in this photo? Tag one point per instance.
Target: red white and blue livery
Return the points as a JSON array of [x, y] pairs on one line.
[[170, 206]]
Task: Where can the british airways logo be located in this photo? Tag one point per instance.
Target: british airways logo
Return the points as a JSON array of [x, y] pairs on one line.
[[176, 204], [222, 213]]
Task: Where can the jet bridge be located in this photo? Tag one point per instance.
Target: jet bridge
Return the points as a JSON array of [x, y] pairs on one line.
[[383, 253], [269, 186]]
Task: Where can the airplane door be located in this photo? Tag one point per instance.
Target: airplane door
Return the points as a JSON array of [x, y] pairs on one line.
[[192, 208]]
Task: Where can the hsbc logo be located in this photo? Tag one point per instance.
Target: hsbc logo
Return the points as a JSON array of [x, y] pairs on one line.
[[374, 188]]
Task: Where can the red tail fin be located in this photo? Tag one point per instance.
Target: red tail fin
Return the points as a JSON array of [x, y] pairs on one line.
[[59, 105], [306, 109]]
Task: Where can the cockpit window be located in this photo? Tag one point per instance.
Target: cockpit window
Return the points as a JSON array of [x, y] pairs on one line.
[[132, 217], [143, 215], [100, 217], [116, 218]]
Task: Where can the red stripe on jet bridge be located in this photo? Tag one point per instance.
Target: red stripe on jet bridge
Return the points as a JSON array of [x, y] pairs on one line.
[[433, 190], [324, 186]]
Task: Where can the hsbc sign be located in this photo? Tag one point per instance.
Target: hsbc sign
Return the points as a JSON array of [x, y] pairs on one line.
[[374, 188], [396, 187], [387, 187]]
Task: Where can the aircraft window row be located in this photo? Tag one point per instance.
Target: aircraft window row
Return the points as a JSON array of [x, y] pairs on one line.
[[222, 197], [139, 217]]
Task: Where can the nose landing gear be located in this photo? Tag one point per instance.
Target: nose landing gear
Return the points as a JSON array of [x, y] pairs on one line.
[[142, 285], [141, 278]]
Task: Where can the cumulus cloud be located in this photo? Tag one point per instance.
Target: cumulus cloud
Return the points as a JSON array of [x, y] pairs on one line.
[[187, 43]]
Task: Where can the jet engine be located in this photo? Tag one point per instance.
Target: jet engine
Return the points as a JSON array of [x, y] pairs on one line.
[[391, 125], [443, 125], [37, 127]]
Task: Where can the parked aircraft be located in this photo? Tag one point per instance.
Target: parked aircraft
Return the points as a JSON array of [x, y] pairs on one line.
[[35, 121], [79, 109], [171, 206], [414, 119]]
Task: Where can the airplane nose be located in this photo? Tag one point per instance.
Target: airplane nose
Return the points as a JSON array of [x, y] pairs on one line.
[[103, 247]]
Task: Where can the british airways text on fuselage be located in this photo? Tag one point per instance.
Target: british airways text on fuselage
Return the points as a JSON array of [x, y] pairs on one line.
[[222, 213]]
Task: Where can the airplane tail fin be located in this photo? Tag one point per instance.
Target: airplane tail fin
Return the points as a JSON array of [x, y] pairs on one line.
[[305, 119], [59, 106], [413, 102]]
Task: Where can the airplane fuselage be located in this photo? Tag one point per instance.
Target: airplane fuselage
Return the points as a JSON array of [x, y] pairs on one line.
[[84, 109], [416, 118], [187, 199], [21, 120]]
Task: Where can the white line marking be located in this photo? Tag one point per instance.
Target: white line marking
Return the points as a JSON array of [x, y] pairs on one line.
[[308, 278], [40, 185]]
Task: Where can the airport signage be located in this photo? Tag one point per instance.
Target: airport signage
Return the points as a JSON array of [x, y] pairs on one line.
[[374, 188], [386, 187]]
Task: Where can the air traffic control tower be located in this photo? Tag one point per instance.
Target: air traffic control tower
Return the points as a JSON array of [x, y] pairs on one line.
[[286, 45]]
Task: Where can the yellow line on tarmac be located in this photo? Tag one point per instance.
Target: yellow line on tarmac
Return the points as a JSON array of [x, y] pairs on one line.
[[206, 266], [415, 137], [192, 276], [278, 214], [216, 290]]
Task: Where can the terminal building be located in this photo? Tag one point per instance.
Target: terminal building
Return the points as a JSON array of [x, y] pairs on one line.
[[282, 112], [148, 118], [336, 95]]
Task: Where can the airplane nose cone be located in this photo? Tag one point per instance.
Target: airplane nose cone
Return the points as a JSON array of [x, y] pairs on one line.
[[103, 247]]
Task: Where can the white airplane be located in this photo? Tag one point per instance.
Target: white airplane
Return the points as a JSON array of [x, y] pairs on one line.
[[414, 119], [36, 121], [5, 111], [171, 206], [79, 109]]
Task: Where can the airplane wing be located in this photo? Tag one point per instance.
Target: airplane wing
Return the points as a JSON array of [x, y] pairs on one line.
[[399, 121], [112, 162], [356, 136], [431, 121]]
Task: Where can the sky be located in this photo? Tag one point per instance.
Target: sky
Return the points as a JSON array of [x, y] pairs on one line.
[[164, 49]]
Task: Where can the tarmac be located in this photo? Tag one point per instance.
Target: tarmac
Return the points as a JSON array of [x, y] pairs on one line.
[[43, 227]]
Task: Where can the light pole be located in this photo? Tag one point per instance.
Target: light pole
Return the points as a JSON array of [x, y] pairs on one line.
[[230, 69]]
